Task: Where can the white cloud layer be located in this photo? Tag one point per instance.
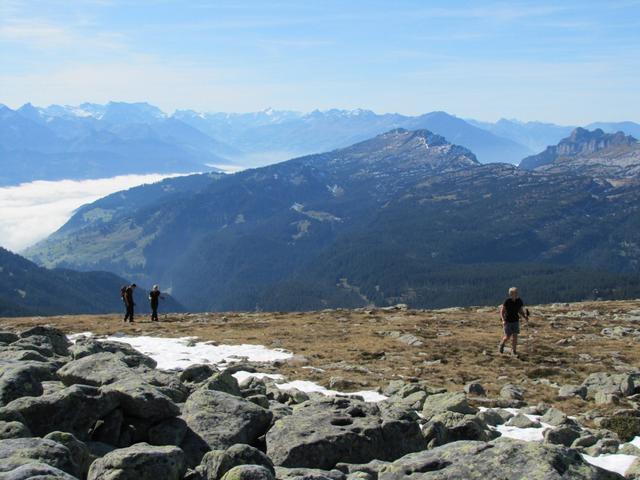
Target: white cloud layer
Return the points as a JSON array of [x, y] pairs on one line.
[[31, 211]]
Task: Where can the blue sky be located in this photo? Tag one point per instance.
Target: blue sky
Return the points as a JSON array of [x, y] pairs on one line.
[[564, 61]]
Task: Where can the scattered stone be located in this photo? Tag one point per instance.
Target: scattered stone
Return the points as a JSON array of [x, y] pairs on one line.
[[621, 384], [569, 391], [140, 462], [475, 388], [512, 392], [14, 430], [248, 472], [218, 462], [563, 435], [555, 417], [522, 421], [446, 402], [321, 433]]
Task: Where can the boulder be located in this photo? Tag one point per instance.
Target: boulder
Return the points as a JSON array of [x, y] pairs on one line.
[[16, 452], [56, 337], [140, 462], [501, 459], [8, 337], [223, 382], [249, 472], [168, 432], [89, 346], [283, 473], [323, 432], [14, 430], [569, 391], [196, 373], [79, 453], [512, 392], [452, 427], [218, 462], [475, 388], [223, 420], [141, 400], [563, 435], [97, 370], [446, 402], [555, 417], [19, 380], [609, 383], [522, 421], [493, 417], [36, 343], [74, 409], [36, 471]]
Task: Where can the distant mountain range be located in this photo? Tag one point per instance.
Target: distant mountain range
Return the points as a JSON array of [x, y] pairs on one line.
[[26, 289], [91, 140], [405, 216]]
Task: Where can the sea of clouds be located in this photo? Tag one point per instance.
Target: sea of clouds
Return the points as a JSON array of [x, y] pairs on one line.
[[31, 211]]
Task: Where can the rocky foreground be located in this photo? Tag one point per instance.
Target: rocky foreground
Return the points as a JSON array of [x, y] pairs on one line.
[[99, 409]]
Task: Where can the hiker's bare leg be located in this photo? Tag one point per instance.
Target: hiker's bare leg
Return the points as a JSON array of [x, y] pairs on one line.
[[514, 342]]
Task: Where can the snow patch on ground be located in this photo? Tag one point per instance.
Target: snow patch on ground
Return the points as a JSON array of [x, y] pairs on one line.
[[311, 387], [614, 462], [179, 353]]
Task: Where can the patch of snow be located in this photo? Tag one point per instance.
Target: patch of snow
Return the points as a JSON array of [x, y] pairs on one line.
[[241, 376], [614, 462], [179, 353], [226, 168], [526, 434], [311, 387], [635, 442]]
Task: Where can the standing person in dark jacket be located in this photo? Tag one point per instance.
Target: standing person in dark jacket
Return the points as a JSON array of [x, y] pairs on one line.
[[154, 296], [510, 312], [129, 303]]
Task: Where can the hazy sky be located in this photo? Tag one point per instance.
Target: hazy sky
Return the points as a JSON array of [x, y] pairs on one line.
[[568, 62]]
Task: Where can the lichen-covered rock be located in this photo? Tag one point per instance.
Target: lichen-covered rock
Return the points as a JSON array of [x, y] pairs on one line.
[[140, 462], [18, 380], [218, 462], [522, 421], [142, 400], [446, 402], [555, 417], [74, 409], [501, 459], [248, 472], [569, 391], [321, 433], [223, 382], [609, 383], [283, 473], [79, 453], [89, 346], [14, 430], [36, 471], [96, 370], [512, 392], [168, 432], [563, 435], [56, 337], [17, 452], [223, 420]]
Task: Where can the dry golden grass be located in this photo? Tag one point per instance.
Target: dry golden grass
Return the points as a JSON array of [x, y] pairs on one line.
[[561, 345]]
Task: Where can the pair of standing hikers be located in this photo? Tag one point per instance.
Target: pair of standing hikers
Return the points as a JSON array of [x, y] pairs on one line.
[[126, 293], [510, 311]]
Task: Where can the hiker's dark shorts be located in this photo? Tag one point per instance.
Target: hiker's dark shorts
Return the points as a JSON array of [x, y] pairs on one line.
[[511, 328]]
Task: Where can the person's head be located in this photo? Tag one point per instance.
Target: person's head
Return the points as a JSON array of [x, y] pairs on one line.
[[133, 286], [156, 288], [513, 292]]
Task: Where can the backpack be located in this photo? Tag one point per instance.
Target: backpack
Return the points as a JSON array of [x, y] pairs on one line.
[[123, 291]]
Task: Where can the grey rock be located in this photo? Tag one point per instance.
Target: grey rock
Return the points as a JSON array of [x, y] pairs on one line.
[[36, 471], [108, 428], [585, 440], [620, 383], [141, 400], [8, 337], [79, 453], [452, 427], [253, 386], [522, 421], [563, 435], [218, 462], [501, 459], [555, 417], [74, 409], [248, 472], [446, 402], [223, 382], [475, 388], [168, 432], [569, 391], [89, 346], [223, 420], [57, 338], [14, 430], [16, 452], [512, 392], [22, 355], [36, 343], [140, 462], [283, 473], [321, 433], [606, 398], [194, 448], [197, 373], [18, 380], [98, 369], [52, 386], [491, 417], [260, 400]]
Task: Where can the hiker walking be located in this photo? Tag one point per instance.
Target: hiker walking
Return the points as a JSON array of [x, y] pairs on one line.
[[510, 312], [127, 298], [154, 296]]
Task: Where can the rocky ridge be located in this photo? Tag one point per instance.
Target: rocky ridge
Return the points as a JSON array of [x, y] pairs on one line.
[[101, 410]]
